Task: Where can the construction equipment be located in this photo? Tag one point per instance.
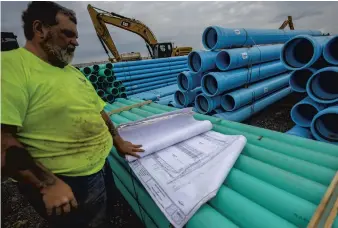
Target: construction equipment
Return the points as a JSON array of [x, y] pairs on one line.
[[156, 50], [8, 41], [288, 22]]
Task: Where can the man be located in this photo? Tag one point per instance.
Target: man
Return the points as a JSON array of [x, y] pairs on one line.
[[55, 134]]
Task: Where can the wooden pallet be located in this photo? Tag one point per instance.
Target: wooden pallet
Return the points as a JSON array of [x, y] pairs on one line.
[[327, 209]]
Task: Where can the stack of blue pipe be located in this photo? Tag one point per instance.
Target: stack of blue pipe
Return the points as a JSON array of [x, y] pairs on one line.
[[315, 64], [232, 79], [149, 75], [105, 84]]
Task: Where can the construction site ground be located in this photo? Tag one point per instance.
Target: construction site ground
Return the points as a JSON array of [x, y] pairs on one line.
[[17, 213]]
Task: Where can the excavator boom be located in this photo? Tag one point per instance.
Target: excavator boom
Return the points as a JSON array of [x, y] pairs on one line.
[[287, 22]]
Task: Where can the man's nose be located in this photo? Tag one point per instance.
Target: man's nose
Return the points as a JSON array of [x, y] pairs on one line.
[[74, 42]]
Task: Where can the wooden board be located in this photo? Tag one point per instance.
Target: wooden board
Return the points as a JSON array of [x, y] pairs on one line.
[[126, 108]]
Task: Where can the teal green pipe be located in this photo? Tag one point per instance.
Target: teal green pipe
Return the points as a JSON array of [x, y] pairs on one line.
[[140, 212], [128, 115], [136, 111], [123, 95], [87, 70], [122, 89], [145, 201], [290, 207], [109, 79], [300, 167], [105, 72], [244, 212], [290, 150], [324, 148], [217, 221], [92, 78], [113, 90], [144, 107], [117, 83], [282, 179]]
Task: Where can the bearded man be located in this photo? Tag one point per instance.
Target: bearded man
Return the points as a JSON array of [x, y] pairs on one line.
[[55, 135]]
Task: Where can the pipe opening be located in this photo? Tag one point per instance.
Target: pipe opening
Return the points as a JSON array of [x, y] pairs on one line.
[[109, 66], [179, 98], [228, 102], [107, 72], [100, 79], [100, 92], [210, 38], [210, 85], [195, 61], [123, 95], [116, 84], [114, 91], [223, 60], [110, 98], [303, 114], [331, 51], [122, 89], [183, 81], [326, 127], [87, 70], [202, 104], [96, 68], [324, 85], [298, 52], [299, 79], [93, 78]]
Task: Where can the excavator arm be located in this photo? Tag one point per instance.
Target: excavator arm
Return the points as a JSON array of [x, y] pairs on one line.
[[286, 23], [101, 17]]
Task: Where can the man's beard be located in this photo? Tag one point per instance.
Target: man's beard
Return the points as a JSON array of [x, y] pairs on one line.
[[57, 56]]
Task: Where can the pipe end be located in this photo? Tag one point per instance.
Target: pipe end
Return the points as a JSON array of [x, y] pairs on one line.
[[330, 51], [209, 38], [223, 60], [209, 85], [228, 102]]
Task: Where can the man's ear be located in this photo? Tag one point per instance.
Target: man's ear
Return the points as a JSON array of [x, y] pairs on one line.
[[39, 30]]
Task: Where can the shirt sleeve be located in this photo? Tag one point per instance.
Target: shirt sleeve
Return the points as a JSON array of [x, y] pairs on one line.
[[14, 95]]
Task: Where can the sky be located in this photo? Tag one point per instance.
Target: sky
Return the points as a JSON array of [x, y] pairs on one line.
[[179, 22]]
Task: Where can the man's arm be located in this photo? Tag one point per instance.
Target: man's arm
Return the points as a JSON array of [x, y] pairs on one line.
[[123, 147], [18, 163]]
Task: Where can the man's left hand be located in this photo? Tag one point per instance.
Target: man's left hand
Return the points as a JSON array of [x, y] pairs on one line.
[[127, 148]]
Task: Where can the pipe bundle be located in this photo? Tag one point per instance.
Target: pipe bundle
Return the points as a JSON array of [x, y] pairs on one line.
[[315, 61], [277, 181], [236, 82]]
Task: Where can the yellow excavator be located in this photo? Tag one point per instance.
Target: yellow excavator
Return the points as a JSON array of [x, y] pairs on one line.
[[156, 50]]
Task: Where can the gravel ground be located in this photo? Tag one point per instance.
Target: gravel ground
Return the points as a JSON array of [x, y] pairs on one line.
[[17, 213]]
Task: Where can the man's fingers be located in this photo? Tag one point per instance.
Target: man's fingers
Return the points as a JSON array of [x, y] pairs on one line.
[[73, 202], [137, 150], [58, 210], [134, 154], [66, 208], [137, 146]]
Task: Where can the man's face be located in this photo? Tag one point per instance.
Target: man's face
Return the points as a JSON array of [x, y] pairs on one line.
[[60, 41]]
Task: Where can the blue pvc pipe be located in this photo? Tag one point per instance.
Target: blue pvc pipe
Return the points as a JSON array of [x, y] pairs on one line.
[[201, 61], [324, 125], [156, 93], [299, 78], [184, 99], [303, 51], [148, 75], [166, 100], [149, 88], [188, 80], [238, 98], [148, 61], [303, 112], [149, 70], [205, 104], [145, 85], [330, 51], [215, 83], [300, 132], [215, 37], [322, 86], [155, 65], [141, 81], [240, 57], [247, 111]]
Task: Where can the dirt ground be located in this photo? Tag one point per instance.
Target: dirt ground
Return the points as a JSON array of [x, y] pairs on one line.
[[17, 213]]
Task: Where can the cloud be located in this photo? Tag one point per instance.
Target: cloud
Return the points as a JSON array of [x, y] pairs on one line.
[[180, 22]]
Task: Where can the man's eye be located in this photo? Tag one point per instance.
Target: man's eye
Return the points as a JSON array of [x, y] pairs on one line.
[[68, 33]]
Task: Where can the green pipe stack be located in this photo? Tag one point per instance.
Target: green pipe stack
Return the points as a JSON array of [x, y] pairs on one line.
[[277, 181], [103, 81]]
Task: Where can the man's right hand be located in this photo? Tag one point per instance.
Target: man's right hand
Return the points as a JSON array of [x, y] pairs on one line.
[[59, 196]]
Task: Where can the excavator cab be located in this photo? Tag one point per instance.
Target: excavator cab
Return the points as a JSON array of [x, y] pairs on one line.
[[162, 50]]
